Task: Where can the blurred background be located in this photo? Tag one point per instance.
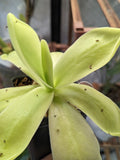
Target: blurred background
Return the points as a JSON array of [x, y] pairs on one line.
[[61, 22]]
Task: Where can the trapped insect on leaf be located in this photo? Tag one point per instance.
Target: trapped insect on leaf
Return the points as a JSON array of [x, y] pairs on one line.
[[23, 108]]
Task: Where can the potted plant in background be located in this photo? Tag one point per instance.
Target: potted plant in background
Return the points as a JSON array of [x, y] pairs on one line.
[[23, 108]]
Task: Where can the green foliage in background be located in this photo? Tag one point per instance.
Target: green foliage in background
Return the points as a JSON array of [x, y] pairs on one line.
[[5, 48]]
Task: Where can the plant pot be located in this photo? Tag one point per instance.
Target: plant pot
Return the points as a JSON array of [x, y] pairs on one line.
[[39, 146]]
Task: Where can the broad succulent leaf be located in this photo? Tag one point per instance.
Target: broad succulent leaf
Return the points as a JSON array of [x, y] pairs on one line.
[[27, 46], [20, 117], [71, 137], [102, 110], [46, 63], [90, 52], [8, 94]]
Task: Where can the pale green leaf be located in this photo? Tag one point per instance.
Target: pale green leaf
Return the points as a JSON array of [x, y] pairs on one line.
[[70, 135], [46, 63], [55, 57], [14, 58], [10, 93], [27, 45], [20, 120], [103, 111], [90, 52]]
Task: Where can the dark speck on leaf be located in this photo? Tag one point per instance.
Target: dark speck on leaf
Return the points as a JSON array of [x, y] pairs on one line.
[[37, 95], [101, 110], [1, 154], [4, 141], [55, 116], [85, 89], [7, 100], [97, 40], [6, 26], [16, 21], [6, 90], [90, 66], [57, 130]]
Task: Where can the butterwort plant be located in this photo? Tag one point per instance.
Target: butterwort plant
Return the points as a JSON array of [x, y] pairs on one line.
[[54, 91]]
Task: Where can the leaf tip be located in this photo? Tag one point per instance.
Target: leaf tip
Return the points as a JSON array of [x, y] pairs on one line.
[[10, 17], [43, 42]]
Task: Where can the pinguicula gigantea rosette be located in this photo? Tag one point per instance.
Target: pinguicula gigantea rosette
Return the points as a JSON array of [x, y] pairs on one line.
[[23, 108]]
